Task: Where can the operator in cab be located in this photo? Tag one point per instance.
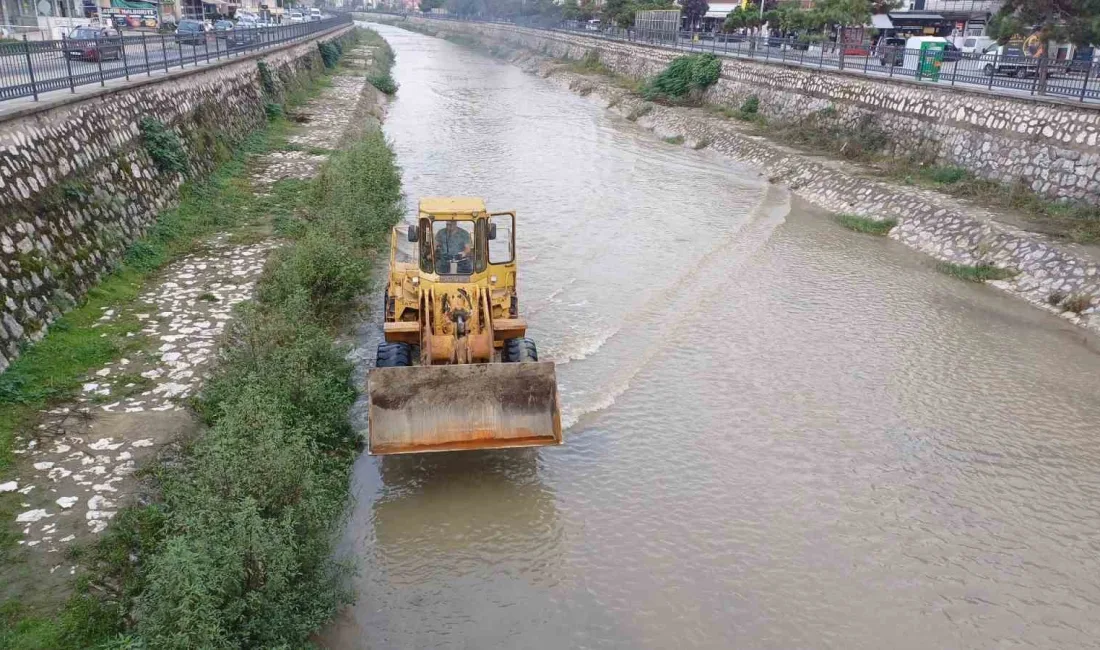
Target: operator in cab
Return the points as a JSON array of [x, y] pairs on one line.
[[453, 248]]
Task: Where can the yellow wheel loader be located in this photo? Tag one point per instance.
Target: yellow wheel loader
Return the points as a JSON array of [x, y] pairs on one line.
[[456, 370]]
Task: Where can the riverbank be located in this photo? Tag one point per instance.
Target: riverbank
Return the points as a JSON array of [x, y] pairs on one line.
[[221, 442], [1054, 275]]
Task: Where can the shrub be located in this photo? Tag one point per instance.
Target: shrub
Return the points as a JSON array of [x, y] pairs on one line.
[[163, 146], [685, 78], [751, 105], [324, 269], [273, 110], [383, 81], [946, 175], [330, 54]]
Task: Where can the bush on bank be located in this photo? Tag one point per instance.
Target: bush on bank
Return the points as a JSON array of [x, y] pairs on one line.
[[252, 510], [685, 78]]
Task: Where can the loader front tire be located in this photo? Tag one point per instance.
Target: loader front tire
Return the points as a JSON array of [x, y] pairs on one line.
[[393, 355], [519, 350]]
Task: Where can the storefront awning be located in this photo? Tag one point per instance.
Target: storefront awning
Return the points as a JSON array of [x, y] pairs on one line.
[[881, 21], [133, 4]]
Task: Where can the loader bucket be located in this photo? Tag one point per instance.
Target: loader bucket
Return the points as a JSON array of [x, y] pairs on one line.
[[459, 407]]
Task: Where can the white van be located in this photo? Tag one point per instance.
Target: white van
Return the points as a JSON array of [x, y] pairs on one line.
[[315, 14], [973, 46]]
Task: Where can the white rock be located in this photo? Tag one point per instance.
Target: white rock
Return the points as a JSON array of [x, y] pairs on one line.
[[147, 442], [67, 502], [10, 486], [32, 516], [104, 444], [43, 465]]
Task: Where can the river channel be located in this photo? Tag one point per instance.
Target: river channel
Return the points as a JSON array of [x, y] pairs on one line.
[[781, 434]]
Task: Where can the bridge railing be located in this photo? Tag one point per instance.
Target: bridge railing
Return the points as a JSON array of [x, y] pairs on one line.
[[997, 71], [29, 68]]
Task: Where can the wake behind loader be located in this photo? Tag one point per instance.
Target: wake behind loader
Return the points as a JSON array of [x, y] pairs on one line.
[[456, 370]]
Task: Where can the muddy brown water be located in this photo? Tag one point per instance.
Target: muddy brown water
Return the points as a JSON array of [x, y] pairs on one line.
[[781, 434]]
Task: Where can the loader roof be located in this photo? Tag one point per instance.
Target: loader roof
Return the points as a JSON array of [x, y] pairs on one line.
[[451, 205]]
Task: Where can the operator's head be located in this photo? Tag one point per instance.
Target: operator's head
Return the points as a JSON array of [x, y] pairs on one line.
[[452, 225]]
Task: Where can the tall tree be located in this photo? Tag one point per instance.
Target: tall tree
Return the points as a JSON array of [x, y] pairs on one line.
[[1074, 21], [694, 10]]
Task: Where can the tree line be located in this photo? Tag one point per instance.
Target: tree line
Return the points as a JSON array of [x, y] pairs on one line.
[[1071, 21]]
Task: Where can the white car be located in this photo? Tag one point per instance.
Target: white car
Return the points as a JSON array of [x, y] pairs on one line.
[[296, 17]]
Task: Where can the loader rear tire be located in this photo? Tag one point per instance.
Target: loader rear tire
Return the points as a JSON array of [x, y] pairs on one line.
[[519, 350], [393, 355]]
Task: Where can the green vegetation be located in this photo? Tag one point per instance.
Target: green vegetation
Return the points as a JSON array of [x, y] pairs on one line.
[[685, 79], [589, 64], [675, 139], [866, 225], [163, 145], [979, 273], [252, 510], [380, 75], [1076, 221], [751, 105], [330, 53], [1071, 21], [864, 139], [236, 552], [267, 79]]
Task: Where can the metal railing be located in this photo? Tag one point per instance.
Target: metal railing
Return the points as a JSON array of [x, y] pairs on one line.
[[1012, 75], [29, 68]]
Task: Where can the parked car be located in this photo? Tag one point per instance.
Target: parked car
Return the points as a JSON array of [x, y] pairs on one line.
[[296, 17], [93, 44], [222, 28], [191, 32], [592, 25], [118, 22], [243, 36]]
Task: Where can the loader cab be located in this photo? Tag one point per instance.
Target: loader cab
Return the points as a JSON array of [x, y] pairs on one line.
[[458, 239]]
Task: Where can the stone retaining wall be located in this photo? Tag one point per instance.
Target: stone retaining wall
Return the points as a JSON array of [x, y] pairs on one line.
[[77, 185], [1050, 144]]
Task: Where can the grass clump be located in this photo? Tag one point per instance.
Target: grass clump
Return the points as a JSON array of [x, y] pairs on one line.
[[589, 64], [978, 273], [685, 79], [863, 139], [163, 146], [1076, 302], [866, 225], [675, 139]]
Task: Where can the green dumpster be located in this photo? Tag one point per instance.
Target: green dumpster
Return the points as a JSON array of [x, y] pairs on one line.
[[931, 60]]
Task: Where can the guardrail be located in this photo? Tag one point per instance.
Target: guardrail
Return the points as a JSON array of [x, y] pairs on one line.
[[29, 68], [1005, 74]]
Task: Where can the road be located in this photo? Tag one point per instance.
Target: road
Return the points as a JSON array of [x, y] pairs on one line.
[[781, 434]]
